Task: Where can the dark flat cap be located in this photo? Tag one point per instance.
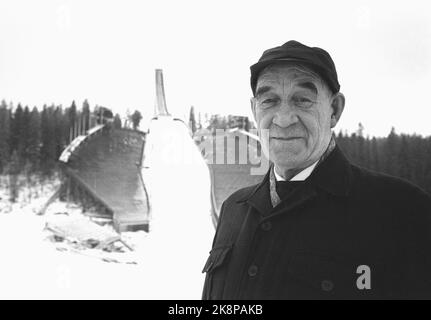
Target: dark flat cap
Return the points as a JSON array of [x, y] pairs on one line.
[[316, 59]]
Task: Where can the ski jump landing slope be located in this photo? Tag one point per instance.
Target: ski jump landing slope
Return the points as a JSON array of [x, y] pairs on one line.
[[230, 176], [106, 163], [177, 178], [181, 231]]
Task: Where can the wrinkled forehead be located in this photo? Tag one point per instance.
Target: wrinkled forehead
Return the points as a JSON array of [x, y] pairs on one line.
[[288, 75]]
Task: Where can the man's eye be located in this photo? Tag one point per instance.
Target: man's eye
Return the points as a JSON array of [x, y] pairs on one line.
[[302, 101], [269, 101]]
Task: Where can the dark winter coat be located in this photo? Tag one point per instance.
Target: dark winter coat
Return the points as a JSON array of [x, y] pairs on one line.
[[316, 243]]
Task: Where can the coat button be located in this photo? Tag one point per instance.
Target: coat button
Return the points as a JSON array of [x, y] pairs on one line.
[[327, 285], [252, 271], [266, 226]]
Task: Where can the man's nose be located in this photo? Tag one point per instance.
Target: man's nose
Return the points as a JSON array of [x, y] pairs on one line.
[[285, 115]]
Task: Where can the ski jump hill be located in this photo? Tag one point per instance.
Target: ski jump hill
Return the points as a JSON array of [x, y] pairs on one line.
[[106, 164], [231, 173]]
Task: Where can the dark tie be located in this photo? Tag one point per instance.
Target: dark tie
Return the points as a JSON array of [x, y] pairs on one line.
[[285, 188]]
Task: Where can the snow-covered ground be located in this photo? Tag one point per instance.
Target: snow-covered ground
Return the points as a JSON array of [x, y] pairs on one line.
[[165, 264]]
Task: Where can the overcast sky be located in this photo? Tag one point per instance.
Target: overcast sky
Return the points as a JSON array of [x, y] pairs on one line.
[[106, 51]]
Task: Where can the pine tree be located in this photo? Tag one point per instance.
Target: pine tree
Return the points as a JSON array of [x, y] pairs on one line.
[[367, 156], [4, 135], [33, 151], [24, 135], [48, 143], [192, 120], [117, 121], [71, 115], [360, 145], [86, 115], [16, 127], [391, 152], [60, 139], [375, 158], [403, 158]]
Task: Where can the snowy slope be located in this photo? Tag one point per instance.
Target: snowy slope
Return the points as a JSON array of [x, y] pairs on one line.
[[179, 184]]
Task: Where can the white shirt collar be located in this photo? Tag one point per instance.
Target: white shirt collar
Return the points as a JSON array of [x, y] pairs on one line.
[[301, 176]]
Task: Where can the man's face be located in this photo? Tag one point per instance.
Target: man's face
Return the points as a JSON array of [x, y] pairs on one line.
[[295, 108]]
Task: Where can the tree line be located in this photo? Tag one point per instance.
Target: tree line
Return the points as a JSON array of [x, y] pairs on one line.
[[402, 155], [31, 140]]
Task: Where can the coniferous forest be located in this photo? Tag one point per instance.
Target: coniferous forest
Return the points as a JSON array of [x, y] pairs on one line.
[[31, 140], [402, 155]]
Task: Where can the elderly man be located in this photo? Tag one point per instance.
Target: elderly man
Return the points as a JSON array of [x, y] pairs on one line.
[[317, 226]]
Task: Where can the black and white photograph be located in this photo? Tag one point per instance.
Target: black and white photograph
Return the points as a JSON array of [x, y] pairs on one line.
[[203, 151]]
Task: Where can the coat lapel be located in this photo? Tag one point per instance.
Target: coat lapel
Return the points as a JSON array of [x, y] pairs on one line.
[[259, 197]]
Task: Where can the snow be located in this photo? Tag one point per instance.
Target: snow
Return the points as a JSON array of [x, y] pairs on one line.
[[65, 155], [164, 264], [94, 129]]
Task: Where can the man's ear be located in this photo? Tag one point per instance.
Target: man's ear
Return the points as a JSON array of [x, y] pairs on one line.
[[337, 105]]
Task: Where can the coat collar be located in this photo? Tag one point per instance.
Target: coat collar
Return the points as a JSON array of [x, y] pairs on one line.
[[259, 196], [333, 175]]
